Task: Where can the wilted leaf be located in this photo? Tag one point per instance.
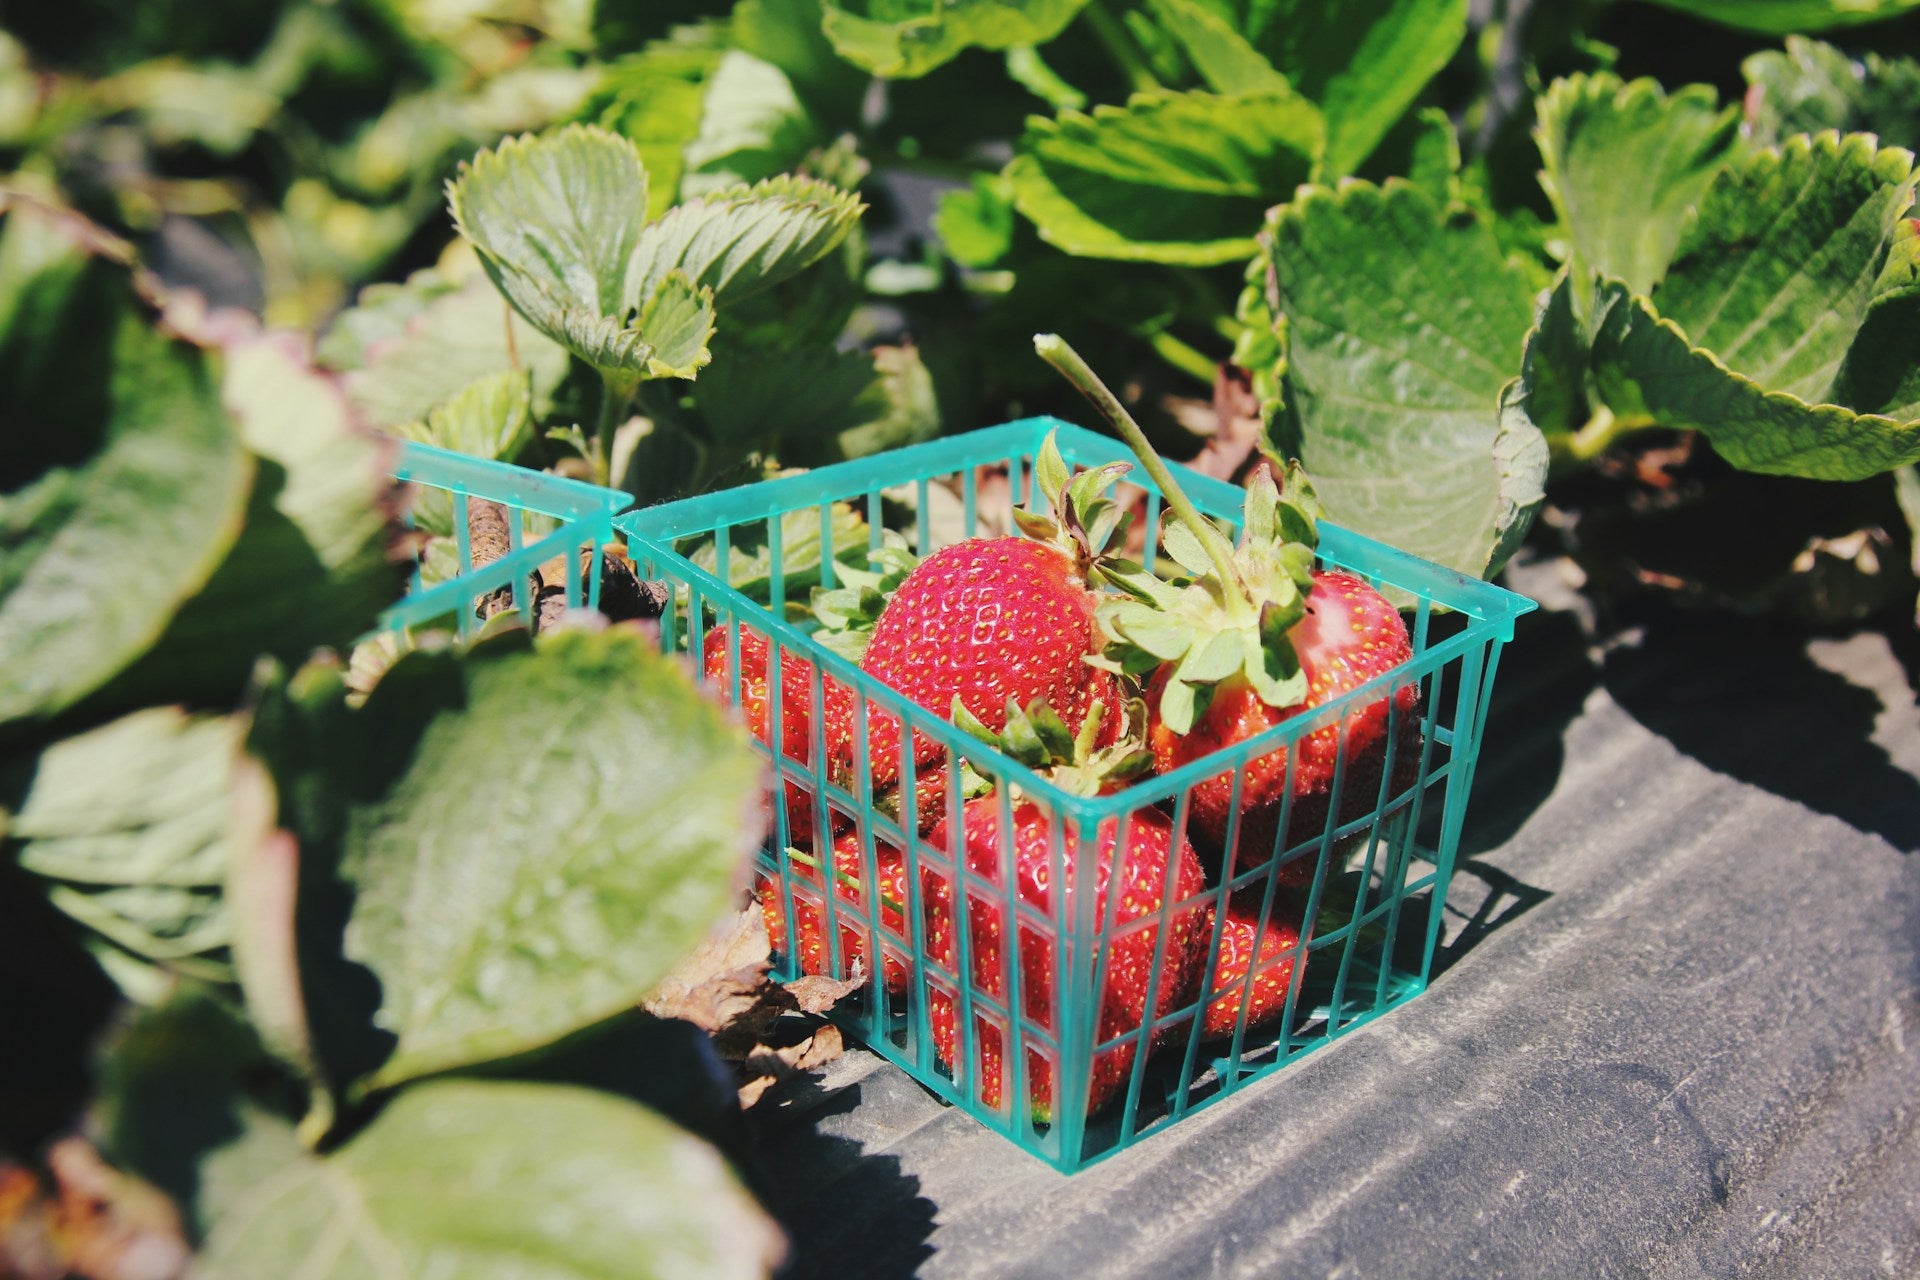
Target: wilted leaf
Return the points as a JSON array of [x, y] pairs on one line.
[[492, 1181]]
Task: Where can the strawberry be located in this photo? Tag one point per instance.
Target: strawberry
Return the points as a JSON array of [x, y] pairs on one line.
[[814, 956], [1268, 965], [992, 621], [1253, 636], [756, 704], [1350, 635], [1039, 738]]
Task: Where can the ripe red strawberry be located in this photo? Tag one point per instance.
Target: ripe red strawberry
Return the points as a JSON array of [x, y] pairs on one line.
[[1253, 636], [1131, 956], [1267, 965], [756, 704], [1349, 635], [992, 621], [813, 955]]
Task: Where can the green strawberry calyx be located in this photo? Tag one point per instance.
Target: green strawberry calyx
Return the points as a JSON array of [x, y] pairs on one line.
[[1081, 516], [1228, 616], [1037, 737], [848, 612]]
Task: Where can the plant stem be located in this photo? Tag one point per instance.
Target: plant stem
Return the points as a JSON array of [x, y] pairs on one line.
[[1602, 431], [616, 394], [1187, 359], [1056, 352], [1119, 44]]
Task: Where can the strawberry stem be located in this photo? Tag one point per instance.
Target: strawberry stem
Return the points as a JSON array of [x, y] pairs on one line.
[[846, 880], [1056, 351]]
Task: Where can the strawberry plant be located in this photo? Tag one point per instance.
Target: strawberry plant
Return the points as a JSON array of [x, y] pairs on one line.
[[1630, 282], [351, 932]]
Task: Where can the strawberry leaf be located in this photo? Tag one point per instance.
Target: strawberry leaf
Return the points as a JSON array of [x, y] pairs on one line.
[[128, 824], [1404, 323], [556, 221], [1170, 177], [1624, 165], [1363, 62], [1780, 265], [1811, 86], [743, 239], [1647, 366], [110, 423], [1225, 59], [678, 321], [641, 1193], [903, 39], [1782, 17], [577, 916], [1770, 333], [420, 344]]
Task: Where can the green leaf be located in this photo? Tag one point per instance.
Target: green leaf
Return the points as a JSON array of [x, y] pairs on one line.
[[1782, 17], [742, 240], [428, 342], [678, 321], [489, 1181], [1225, 59], [1404, 324], [1624, 165], [556, 221], [310, 568], [129, 824], [1552, 389], [1776, 274], [1362, 61], [904, 39], [656, 99], [1184, 546], [1215, 660], [1645, 365], [975, 223], [1170, 177], [489, 418], [1881, 373], [169, 1091], [753, 126], [1424, 148], [1812, 86], [122, 482], [592, 886]]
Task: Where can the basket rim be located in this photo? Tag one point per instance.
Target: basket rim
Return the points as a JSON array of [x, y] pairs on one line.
[[653, 531]]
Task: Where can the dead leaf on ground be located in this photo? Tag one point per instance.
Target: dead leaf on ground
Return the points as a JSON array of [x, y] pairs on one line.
[[723, 987], [92, 1223]]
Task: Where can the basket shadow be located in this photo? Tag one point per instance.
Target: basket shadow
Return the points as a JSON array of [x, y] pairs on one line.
[[1495, 902], [1748, 701], [810, 1180], [1544, 680]]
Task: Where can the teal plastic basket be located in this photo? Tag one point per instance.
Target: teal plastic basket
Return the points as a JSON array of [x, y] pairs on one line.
[[1380, 861], [547, 516]]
